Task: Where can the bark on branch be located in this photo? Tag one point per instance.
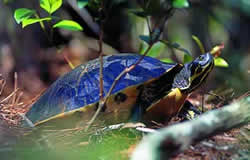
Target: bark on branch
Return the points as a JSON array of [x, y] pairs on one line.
[[176, 138]]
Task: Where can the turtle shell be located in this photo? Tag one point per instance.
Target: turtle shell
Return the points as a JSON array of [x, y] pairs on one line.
[[80, 87]]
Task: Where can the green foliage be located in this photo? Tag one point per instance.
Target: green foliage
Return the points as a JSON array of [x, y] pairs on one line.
[[155, 51], [167, 60], [69, 25], [187, 58], [198, 42], [180, 3], [145, 38], [220, 62], [139, 13], [82, 3], [104, 145], [29, 16], [176, 46], [22, 14], [159, 7], [30, 21], [187, 55], [50, 5]]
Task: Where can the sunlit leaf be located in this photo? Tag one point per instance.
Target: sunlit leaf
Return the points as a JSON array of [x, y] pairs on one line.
[[167, 60], [220, 62], [50, 5], [156, 49], [82, 3], [180, 4], [187, 58], [30, 21], [198, 42], [22, 14], [68, 25]]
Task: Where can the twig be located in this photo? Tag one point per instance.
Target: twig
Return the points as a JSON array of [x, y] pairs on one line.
[[83, 13], [217, 96], [15, 88], [101, 58], [146, 130], [202, 103], [214, 146], [125, 71], [18, 97], [9, 96], [154, 36], [102, 103], [2, 86], [176, 138], [50, 39], [67, 60], [246, 136]]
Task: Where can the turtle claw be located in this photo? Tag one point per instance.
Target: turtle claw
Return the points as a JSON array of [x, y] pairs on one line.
[[188, 111]]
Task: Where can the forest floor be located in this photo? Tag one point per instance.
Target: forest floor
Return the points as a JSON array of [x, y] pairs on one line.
[[15, 101]]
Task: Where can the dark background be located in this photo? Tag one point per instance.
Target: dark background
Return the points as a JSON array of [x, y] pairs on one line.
[[28, 52]]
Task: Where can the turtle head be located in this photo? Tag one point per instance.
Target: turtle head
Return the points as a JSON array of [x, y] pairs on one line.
[[199, 70], [194, 73]]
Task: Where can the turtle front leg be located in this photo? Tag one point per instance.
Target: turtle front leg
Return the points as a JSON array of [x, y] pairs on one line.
[[188, 111]]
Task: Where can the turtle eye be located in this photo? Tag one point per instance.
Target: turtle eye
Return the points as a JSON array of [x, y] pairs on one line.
[[201, 58]]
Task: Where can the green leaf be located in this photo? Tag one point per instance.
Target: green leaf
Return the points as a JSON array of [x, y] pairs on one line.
[[22, 14], [187, 58], [180, 3], [30, 21], [220, 62], [198, 42], [82, 3], [139, 13], [68, 25], [156, 50], [176, 46], [50, 5], [167, 60], [145, 38]]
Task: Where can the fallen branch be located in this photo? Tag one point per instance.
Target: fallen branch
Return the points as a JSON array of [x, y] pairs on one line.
[[176, 138]]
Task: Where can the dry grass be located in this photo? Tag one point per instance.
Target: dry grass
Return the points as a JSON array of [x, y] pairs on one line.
[[11, 106]]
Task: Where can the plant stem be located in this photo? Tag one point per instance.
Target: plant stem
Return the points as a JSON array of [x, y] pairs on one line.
[[126, 70], [50, 39], [101, 57], [67, 60], [155, 34]]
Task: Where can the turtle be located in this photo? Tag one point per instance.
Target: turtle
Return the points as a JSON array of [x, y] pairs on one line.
[[153, 89]]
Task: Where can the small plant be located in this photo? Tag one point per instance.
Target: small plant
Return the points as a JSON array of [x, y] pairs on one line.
[[27, 17], [161, 12]]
